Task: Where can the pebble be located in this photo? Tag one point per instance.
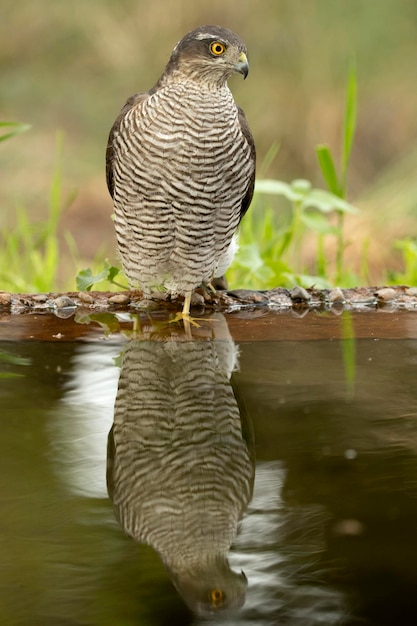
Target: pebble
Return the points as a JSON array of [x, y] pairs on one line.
[[119, 298], [411, 291], [40, 297], [279, 299], [386, 294], [64, 302], [197, 299], [336, 295], [85, 297], [5, 298], [299, 293], [249, 296]]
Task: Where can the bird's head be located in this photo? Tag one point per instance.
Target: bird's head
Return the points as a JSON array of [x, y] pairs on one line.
[[211, 589], [209, 54]]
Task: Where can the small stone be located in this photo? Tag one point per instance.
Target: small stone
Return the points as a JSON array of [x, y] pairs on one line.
[[64, 302], [85, 297], [411, 291], [279, 298], [197, 299], [160, 296], [5, 298], [386, 294], [299, 293], [40, 298], [336, 295], [119, 298], [246, 296]]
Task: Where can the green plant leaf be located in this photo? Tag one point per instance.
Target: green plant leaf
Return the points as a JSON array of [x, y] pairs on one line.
[[85, 279], [349, 123], [113, 272], [248, 256], [17, 127], [328, 169], [327, 202], [301, 186], [318, 223], [294, 192]]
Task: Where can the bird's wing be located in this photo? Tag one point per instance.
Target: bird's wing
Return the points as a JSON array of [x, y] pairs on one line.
[[133, 101], [248, 136]]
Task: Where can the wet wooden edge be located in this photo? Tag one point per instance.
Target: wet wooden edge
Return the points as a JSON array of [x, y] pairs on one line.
[[274, 315]]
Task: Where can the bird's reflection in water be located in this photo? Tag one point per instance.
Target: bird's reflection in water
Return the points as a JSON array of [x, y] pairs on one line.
[[180, 463]]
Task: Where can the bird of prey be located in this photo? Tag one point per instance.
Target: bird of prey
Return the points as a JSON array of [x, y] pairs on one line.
[[180, 167], [180, 464]]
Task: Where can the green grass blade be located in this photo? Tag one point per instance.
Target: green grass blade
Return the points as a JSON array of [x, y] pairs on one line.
[[269, 157], [349, 124], [328, 169], [55, 190], [17, 127]]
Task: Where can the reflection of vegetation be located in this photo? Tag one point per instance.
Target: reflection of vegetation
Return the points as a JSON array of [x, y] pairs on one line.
[[349, 352], [107, 321], [12, 359]]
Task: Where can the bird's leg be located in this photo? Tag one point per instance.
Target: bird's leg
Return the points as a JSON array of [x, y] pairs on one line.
[[186, 309], [185, 316], [185, 313]]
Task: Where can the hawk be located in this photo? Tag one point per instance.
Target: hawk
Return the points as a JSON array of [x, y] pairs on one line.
[[181, 168], [181, 462]]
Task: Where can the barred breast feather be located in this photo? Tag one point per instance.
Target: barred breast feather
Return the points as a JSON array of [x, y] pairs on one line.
[[181, 171]]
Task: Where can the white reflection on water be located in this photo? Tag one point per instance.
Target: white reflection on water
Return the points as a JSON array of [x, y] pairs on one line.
[[82, 420], [279, 549]]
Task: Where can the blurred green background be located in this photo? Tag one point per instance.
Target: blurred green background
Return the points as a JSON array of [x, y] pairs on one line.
[[70, 66]]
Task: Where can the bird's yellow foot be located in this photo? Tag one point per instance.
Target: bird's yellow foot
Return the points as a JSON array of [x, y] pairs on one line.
[[185, 316]]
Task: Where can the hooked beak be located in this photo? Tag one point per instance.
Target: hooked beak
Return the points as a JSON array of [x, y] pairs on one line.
[[242, 66]]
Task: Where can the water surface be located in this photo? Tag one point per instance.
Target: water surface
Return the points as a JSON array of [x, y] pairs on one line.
[[127, 462]]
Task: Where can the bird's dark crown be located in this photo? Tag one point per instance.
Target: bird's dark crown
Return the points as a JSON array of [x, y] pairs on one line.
[[210, 32]]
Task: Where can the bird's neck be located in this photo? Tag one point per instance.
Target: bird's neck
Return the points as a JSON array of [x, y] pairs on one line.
[[206, 81]]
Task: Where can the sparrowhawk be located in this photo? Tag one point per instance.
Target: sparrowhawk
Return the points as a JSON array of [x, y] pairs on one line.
[[180, 168], [180, 462]]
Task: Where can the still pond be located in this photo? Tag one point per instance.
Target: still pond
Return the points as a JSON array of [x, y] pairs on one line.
[[238, 478]]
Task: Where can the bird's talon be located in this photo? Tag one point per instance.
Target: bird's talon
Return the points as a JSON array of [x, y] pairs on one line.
[[185, 318]]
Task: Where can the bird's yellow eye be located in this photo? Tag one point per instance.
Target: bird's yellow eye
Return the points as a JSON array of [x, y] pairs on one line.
[[217, 48], [216, 597]]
